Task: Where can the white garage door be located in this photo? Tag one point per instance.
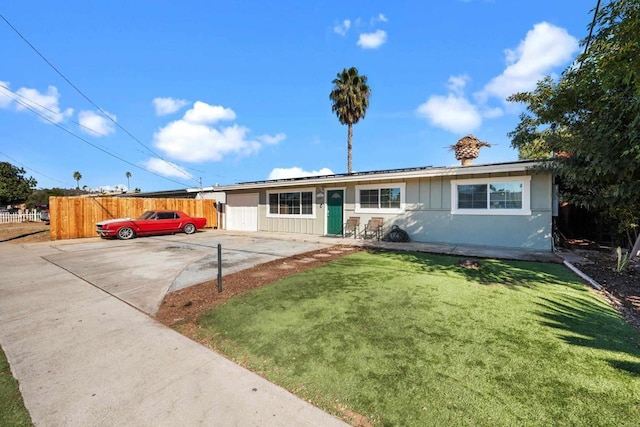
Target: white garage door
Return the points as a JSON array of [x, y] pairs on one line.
[[241, 212]]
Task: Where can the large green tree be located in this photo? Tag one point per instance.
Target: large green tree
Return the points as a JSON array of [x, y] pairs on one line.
[[350, 100], [15, 188], [40, 196], [588, 121]]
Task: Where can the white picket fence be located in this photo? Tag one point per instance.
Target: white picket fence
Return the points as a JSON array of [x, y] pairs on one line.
[[26, 216]]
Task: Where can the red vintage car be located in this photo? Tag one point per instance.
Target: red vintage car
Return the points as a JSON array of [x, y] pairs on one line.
[[150, 223]]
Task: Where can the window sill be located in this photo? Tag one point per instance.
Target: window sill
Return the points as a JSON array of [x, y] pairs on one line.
[[379, 211], [492, 212], [291, 216]]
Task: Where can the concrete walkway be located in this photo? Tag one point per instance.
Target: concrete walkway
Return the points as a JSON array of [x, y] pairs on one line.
[[85, 358], [436, 248]]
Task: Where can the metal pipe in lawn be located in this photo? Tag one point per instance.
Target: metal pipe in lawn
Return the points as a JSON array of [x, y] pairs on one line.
[[219, 268]]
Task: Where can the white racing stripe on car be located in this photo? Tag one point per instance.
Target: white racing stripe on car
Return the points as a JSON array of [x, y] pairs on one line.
[[109, 221]]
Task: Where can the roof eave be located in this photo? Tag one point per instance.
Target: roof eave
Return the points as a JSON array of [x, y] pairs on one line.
[[457, 170]]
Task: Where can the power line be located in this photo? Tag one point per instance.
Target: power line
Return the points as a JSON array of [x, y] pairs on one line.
[[34, 111], [104, 150], [593, 24], [31, 169], [104, 113], [31, 101]]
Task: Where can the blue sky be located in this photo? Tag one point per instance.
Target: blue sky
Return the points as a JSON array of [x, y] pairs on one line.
[[222, 92]]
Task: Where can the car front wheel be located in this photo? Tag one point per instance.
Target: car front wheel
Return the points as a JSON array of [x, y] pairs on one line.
[[189, 229], [126, 233]]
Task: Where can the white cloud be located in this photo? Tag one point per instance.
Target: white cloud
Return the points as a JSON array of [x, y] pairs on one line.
[[372, 40], [272, 140], [191, 142], [456, 84], [45, 104], [297, 172], [379, 18], [544, 48], [96, 124], [165, 168], [166, 106], [194, 138], [453, 113], [203, 113], [343, 27]]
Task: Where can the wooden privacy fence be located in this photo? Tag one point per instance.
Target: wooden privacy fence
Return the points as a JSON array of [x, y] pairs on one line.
[[74, 217]]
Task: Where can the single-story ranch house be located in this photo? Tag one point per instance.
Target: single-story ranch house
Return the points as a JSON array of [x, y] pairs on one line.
[[501, 204]]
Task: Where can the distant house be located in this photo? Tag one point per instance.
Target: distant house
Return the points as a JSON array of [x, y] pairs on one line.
[[501, 204], [165, 194]]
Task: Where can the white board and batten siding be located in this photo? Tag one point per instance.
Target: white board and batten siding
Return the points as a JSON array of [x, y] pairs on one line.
[[241, 212]]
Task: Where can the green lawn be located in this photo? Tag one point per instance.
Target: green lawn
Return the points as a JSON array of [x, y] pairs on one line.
[[415, 340], [12, 410]]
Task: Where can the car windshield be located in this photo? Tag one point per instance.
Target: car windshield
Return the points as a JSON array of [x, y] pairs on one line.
[[147, 215]]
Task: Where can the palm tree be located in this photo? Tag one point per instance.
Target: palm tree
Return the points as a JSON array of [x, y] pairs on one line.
[[350, 100], [77, 176], [468, 148], [128, 175]]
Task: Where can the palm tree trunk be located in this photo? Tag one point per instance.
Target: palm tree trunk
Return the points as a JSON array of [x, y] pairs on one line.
[[349, 137]]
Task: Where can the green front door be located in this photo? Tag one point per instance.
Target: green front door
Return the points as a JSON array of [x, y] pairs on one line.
[[335, 202]]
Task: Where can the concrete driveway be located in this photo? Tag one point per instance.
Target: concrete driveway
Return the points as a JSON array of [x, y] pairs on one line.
[[85, 358], [141, 271]]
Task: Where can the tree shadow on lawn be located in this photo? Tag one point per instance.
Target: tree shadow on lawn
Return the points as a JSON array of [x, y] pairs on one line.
[[589, 324], [512, 274], [623, 365], [586, 322]]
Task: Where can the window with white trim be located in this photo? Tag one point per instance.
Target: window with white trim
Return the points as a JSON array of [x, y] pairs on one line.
[[380, 198], [296, 204], [495, 196]]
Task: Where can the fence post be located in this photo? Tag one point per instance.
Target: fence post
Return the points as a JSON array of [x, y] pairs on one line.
[[219, 268]]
